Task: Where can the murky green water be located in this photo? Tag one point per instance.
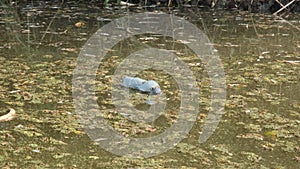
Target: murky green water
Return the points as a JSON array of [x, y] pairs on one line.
[[261, 59]]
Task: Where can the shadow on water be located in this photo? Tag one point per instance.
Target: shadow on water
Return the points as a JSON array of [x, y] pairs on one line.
[[260, 55]]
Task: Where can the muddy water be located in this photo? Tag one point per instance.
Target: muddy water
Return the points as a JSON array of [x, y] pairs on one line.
[[261, 60]]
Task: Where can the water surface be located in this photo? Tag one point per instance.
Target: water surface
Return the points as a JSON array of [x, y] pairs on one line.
[[260, 55]]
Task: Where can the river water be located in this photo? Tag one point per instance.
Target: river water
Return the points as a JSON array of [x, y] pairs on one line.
[[260, 56]]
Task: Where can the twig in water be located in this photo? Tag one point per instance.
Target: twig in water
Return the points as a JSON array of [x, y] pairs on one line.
[[256, 32], [294, 26], [279, 3], [169, 3], [48, 27], [275, 13]]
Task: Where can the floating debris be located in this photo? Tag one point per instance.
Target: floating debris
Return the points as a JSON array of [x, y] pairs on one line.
[[9, 116], [149, 86], [79, 24]]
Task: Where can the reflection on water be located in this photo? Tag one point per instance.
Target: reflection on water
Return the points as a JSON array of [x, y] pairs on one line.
[[260, 55]]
